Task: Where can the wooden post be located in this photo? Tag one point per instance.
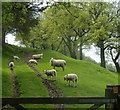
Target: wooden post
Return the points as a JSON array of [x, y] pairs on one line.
[[113, 91]]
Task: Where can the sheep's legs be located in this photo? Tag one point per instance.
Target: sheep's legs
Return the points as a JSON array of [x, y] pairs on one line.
[[69, 83], [75, 83], [66, 83], [63, 68], [54, 78]]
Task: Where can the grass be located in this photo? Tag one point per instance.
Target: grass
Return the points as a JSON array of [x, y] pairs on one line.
[[30, 85], [92, 78]]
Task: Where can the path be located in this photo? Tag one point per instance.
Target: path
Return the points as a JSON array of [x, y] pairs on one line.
[[15, 84], [52, 90]]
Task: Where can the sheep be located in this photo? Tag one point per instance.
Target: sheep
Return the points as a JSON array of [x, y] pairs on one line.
[[51, 73], [16, 58], [37, 56], [71, 77], [11, 65], [33, 61], [57, 63]]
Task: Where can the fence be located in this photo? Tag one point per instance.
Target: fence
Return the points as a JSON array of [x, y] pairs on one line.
[[111, 100]]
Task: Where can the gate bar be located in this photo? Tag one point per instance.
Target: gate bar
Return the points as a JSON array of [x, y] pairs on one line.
[[60, 100]]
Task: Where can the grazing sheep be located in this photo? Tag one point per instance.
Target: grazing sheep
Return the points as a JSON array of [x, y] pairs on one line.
[[51, 73], [16, 58], [71, 77], [33, 61], [37, 56], [57, 63], [11, 65]]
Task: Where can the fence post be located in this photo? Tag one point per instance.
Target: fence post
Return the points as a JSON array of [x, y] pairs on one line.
[[113, 91]]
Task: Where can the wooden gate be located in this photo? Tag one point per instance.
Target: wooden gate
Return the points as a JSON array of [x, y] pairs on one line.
[[111, 100]]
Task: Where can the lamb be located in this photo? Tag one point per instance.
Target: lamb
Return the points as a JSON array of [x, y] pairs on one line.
[[51, 73], [33, 61], [16, 58], [57, 63], [71, 77], [37, 56], [11, 65]]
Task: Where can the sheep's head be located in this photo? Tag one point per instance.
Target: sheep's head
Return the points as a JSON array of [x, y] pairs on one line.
[[51, 60], [45, 71], [65, 77], [42, 55]]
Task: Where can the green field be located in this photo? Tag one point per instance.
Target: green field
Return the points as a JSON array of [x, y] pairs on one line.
[[92, 79]]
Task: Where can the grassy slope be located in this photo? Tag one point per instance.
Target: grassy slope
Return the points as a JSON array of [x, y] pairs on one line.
[[92, 78], [30, 85]]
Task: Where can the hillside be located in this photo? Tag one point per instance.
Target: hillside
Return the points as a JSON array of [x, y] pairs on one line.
[[92, 78]]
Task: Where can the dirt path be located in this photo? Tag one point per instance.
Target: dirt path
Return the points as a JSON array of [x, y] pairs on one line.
[[15, 84], [52, 90], [16, 91]]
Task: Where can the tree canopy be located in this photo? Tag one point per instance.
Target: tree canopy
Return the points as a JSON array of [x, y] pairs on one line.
[[19, 17]]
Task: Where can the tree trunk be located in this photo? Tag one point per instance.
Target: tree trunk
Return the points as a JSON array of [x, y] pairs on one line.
[[52, 46], [72, 53], [115, 60], [33, 44], [102, 56], [59, 44], [65, 51], [81, 55], [71, 48], [74, 50], [117, 67], [3, 38]]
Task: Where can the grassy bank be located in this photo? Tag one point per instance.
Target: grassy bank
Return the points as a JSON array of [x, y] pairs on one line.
[[92, 79]]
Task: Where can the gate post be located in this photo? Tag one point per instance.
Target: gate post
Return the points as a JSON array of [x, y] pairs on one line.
[[113, 91]]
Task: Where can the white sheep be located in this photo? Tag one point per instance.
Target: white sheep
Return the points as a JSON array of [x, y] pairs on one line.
[[11, 65], [71, 77], [57, 63], [37, 56], [33, 61], [16, 58], [51, 73]]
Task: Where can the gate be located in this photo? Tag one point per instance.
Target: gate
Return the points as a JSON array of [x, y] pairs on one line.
[[111, 100]]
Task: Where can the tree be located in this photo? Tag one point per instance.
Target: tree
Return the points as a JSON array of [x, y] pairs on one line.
[[104, 24], [70, 23], [115, 49], [18, 17]]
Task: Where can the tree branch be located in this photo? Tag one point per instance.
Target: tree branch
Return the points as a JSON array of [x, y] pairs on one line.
[[59, 44], [117, 56], [112, 55], [70, 12]]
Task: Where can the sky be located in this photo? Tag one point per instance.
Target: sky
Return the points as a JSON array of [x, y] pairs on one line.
[[10, 39]]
